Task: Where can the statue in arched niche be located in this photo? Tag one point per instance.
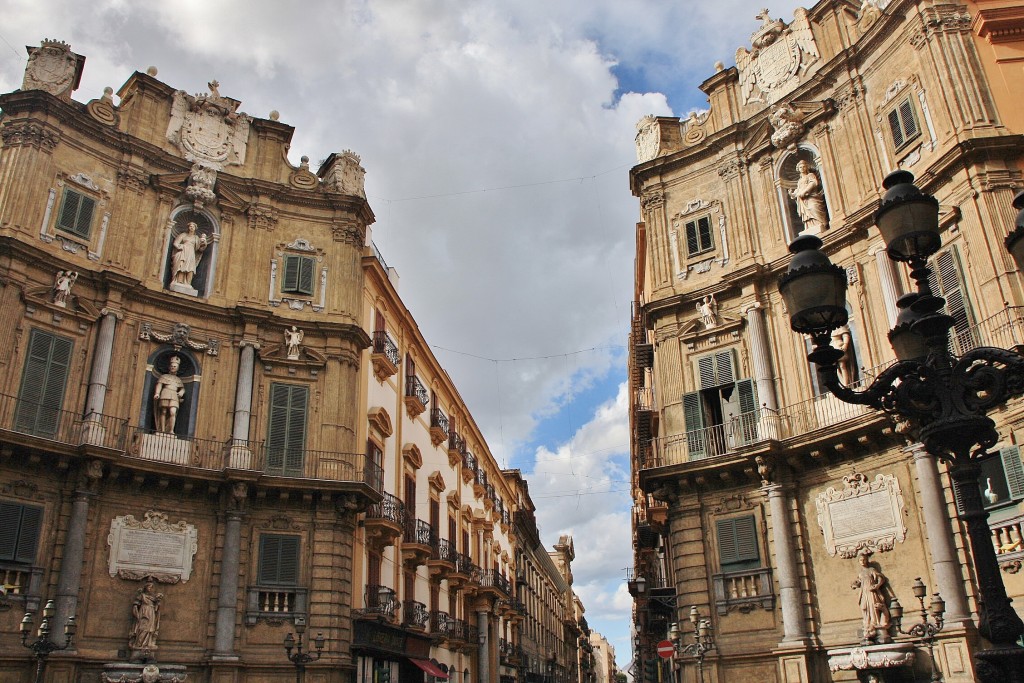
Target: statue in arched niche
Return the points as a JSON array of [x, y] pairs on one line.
[[167, 396], [809, 198], [187, 269]]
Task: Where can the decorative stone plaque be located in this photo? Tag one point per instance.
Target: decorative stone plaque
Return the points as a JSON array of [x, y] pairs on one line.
[[863, 515], [151, 548]]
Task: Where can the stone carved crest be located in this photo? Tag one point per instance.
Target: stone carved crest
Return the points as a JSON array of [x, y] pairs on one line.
[[345, 174], [208, 128], [781, 54], [179, 338], [788, 126], [863, 515], [648, 135], [52, 67]]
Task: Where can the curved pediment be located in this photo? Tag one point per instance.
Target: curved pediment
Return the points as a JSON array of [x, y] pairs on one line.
[[381, 421]]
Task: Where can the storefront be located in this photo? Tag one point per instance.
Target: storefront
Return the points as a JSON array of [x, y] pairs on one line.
[[386, 654]]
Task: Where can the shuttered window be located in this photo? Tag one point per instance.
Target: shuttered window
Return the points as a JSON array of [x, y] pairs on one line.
[[716, 369], [298, 275], [75, 214], [279, 560], [903, 123], [286, 431], [693, 414], [947, 281], [699, 237], [19, 532], [41, 395], [737, 543], [747, 420]]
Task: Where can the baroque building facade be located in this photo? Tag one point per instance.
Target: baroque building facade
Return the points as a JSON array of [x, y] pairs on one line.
[[222, 429], [758, 499]]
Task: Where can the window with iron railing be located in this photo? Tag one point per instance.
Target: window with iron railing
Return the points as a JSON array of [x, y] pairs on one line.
[[384, 344], [414, 389]]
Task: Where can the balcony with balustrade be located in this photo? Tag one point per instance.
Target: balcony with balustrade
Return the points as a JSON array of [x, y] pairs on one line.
[[461, 571], [438, 426], [415, 615], [456, 447], [379, 604], [469, 467], [417, 398], [384, 355], [493, 584], [480, 483], [442, 558], [417, 541], [385, 521]]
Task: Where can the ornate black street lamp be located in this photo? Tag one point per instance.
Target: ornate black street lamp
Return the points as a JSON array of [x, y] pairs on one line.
[[703, 640], [299, 658], [930, 625], [42, 647], [942, 399]]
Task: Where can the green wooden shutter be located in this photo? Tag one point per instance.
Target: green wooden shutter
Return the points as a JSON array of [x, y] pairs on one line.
[[947, 281], [909, 120], [737, 542], [41, 396], [706, 238], [748, 417], [692, 241], [724, 367], [693, 414], [19, 532], [75, 215], [306, 268], [706, 372], [1014, 470], [716, 369], [286, 429], [279, 560], [291, 274], [896, 129]]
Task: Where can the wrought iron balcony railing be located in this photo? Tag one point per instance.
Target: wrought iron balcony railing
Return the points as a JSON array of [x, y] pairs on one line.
[[385, 345], [415, 614], [390, 508]]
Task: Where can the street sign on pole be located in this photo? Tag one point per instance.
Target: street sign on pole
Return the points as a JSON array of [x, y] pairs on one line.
[[666, 649]]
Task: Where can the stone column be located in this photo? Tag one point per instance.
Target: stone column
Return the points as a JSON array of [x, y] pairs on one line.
[[240, 456], [70, 579], [948, 574], [892, 289], [483, 674], [757, 336], [794, 629], [94, 431], [227, 591]]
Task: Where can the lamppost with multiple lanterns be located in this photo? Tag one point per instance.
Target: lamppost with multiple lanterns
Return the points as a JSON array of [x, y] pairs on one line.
[[703, 640], [299, 658], [42, 647], [940, 398]]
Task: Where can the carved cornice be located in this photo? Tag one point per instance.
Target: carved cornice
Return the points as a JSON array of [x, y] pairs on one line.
[[29, 134]]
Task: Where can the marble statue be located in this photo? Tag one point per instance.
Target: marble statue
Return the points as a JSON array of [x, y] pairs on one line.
[[167, 396], [810, 200], [188, 249], [708, 309], [292, 339], [873, 589], [62, 286], [145, 619], [843, 341]]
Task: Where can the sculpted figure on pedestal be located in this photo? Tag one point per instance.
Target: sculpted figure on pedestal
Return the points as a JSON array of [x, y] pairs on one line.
[[167, 396]]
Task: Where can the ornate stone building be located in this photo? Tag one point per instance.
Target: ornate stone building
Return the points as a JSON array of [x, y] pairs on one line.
[[221, 425], [755, 493]]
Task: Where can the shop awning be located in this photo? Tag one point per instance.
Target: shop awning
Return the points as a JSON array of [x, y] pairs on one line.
[[429, 667]]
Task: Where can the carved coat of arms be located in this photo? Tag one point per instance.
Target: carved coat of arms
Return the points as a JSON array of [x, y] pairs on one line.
[[781, 54], [52, 67], [208, 128]]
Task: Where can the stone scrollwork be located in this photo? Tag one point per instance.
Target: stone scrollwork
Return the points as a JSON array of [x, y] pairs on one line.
[[864, 515]]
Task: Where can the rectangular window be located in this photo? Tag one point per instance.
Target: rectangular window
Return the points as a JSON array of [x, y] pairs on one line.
[[699, 237], [947, 281], [43, 379], [75, 214], [19, 532], [286, 429], [737, 543], [1002, 478], [279, 560], [903, 123], [299, 273]]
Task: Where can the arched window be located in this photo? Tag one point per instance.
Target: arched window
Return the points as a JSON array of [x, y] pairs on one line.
[[191, 253]]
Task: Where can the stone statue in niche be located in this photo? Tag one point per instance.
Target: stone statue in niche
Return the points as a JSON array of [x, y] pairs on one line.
[[843, 341], [292, 340], [145, 621], [188, 249], [708, 309], [809, 198], [874, 596], [167, 396], [62, 286]]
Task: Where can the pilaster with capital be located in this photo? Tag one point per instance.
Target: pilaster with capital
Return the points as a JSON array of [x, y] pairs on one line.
[[659, 246]]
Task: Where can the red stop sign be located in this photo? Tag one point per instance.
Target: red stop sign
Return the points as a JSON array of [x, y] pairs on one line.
[[666, 649]]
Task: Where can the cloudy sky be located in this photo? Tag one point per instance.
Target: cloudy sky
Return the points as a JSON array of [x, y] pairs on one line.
[[497, 139]]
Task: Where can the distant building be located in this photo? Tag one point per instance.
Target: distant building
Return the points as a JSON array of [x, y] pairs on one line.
[[754, 492], [605, 669]]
